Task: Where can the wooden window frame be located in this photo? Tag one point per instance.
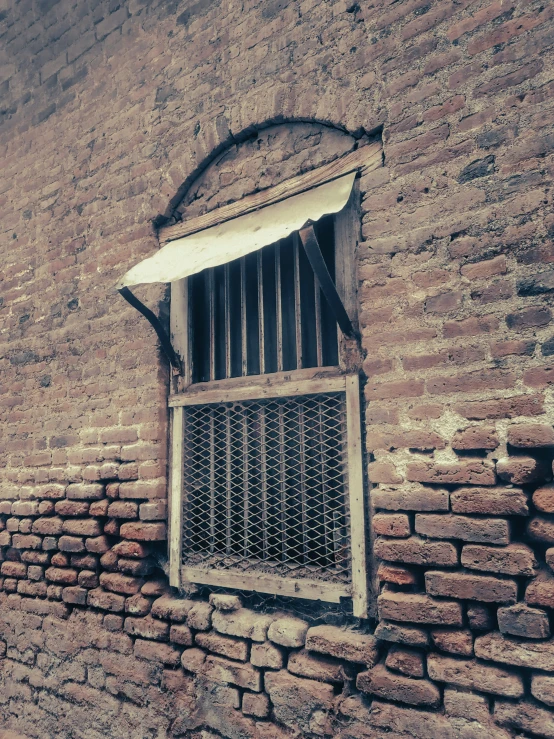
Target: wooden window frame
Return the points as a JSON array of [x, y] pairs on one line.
[[344, 378]]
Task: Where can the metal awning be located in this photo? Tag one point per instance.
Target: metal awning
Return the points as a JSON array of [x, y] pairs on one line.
[[240, 236]]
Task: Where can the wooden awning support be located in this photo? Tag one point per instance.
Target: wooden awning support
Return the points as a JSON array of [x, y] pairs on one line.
[[328, 288]]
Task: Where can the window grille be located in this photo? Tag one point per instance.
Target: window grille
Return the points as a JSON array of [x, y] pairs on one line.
[[265, 486]]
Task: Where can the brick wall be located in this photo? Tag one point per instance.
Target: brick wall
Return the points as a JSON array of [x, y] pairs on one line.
[[111, 115]]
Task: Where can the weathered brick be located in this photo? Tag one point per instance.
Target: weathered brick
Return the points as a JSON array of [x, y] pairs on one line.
[[227, 646], [514, 559], [467, 586], [466, 528], [475, 676], [244, 623], [531, 435], [401, 634], [476, 473], [156, 652], [342, 643], [288, 632], [318, 667], [455, 641], [267, 655], [475, 437], [412, 497], [520, 620], [512, 651], [98, 598], [299, 703], [117, 583], [421, 609], [409, 662], [143, 531], [174, 609], [147, 628], [79, 491], [495, 501], [418, 551], [385, 684], [391, 524], [543, 498]]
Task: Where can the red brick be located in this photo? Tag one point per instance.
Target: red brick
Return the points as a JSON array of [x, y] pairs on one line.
[[477, 473], [518, 405], [143, 531], [454, 641], [527, 436], [416, 551], [543, 498], [391, 524], [467, 586], [539, 377], [466, 528], [418, 608], [410, 662], [522, 470], [470, 382], [385, 684], [117, 583], [495, 501], [396, 575], [475, 676], [514, 559], [475, 437], [383, 472], [61, 575], [470, 326], [470, 23], [405, 389]]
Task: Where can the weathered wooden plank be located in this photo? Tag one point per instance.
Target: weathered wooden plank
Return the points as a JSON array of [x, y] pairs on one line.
[[368, 157]]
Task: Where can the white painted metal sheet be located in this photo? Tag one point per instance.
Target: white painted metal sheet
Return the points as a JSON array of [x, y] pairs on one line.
[[236, 238]]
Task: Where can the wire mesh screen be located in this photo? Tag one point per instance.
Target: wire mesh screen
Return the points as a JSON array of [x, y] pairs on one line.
[[265, 487]]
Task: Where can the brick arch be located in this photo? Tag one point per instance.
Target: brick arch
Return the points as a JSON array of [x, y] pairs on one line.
[[223, 142]]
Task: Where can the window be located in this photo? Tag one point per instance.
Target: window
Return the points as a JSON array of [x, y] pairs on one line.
[[266, 488]]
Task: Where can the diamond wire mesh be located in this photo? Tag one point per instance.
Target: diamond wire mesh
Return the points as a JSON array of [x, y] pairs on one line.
[[265, 487]]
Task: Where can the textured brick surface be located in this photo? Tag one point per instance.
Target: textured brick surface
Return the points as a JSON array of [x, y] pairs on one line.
[[117, 117]]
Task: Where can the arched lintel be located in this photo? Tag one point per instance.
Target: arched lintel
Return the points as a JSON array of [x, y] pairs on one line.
[[250, 132]]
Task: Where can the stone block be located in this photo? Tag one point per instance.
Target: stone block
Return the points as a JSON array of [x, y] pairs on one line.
[[79, 491], [147, 628], [531, 435], [463, 705], [543, 499], [99, 598], [255, 704], [522, 470], [118, 583], [525, 716], [411, 497], [223, 602]]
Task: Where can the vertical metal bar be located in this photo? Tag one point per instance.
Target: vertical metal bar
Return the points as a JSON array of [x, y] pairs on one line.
[[228, 471], [263, 449], [227, 322], [212, 479], [261, 312], [211, 301], [319, 339], [297, 302], [244, 335], [328, 523], [303, 501], [246, 484], [282, 482], [278, 307]]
